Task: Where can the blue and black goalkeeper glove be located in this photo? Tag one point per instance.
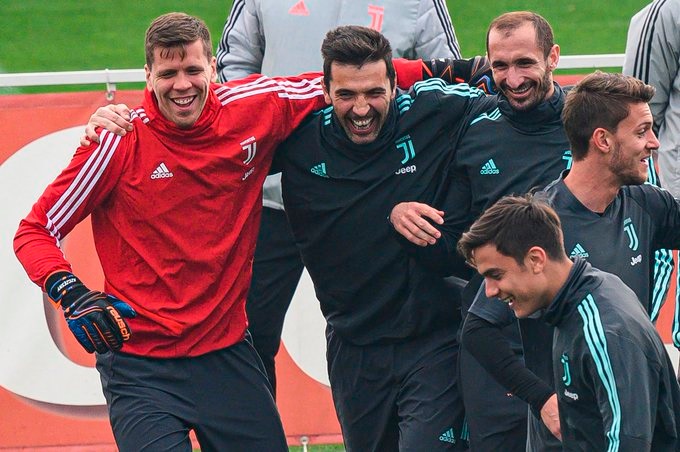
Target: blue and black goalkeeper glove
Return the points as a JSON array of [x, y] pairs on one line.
[[474, 71], [96, 319]]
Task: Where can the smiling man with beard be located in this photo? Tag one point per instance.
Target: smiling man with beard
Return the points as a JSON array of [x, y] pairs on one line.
[[516, 144], [614, 380], [392, 323], [524, 57]]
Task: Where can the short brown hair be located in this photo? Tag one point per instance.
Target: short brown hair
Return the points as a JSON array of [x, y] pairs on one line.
[[515, 19], [600, 100], [515, 224], [176, 30], [355, 45]]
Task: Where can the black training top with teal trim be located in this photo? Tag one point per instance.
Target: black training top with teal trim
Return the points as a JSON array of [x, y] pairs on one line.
[[502, 152], [615, 384], [621, 240], [338, 196]]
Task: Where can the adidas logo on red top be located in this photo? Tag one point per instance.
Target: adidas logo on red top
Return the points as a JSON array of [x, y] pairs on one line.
[[161, 172]]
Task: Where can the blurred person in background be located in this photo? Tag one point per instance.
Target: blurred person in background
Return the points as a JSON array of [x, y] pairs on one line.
[[653, 56]]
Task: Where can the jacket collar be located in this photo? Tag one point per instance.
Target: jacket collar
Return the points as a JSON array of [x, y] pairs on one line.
[[205, 121], [547, 113], [569, 296]]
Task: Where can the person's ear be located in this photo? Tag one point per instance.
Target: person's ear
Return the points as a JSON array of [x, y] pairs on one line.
[[602, 140], [326, 92], [147, 77], [553, 57], [536, 259], [213, 70]]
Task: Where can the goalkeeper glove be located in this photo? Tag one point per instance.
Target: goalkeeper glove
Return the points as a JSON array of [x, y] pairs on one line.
[[96, 319], [474, 71]]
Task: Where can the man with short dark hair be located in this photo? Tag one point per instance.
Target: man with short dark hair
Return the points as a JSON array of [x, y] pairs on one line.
[[272, 37], [392, 323], [615, 383], [653, 55], [175, 206]]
